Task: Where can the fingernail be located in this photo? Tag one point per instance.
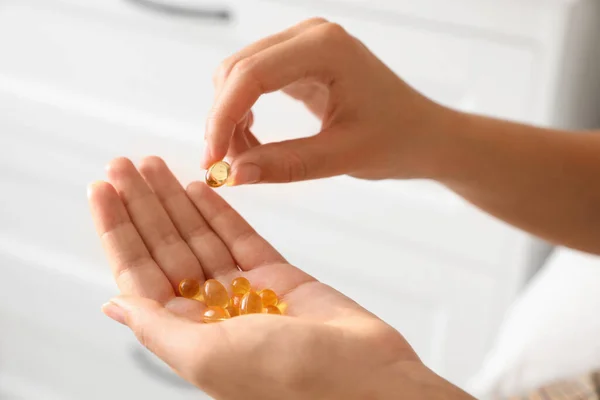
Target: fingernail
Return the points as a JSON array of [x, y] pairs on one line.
[[113, 311], [108, 167], [245, 174], [90, 187]]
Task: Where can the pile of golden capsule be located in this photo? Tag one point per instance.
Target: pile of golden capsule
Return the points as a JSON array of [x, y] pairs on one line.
[[220, 306]]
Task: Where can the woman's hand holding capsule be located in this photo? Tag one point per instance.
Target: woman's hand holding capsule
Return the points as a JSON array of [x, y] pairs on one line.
[[374, 126], [156, 234]]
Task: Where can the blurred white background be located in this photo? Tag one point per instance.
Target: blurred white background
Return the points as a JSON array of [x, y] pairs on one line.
[[83, 81]]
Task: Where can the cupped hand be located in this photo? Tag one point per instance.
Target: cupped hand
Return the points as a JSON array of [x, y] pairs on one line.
[[156, 233], [374, 125]]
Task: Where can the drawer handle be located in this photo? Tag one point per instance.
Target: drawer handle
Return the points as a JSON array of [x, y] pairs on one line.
[[184, 11], [142, 358]]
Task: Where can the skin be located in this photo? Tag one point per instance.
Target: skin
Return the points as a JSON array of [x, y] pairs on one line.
[[375, 126], [326, 346]]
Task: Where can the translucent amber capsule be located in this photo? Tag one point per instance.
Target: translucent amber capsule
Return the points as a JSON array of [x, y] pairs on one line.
[[233, 311], [215, 314], [251, 304], [236, 300], [272, 310], [215, 294], [282, 307], [240, 285], [217, 174], [189, 288], [269, 298], [234, 305]]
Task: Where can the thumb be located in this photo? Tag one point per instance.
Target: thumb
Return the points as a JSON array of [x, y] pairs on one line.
[[172, 338], [324, 155]]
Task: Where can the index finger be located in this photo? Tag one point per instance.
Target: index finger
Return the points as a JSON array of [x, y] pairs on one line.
[[306, 55]]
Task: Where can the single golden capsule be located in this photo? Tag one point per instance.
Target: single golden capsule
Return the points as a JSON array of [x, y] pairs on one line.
[[217, 174], [236, 300], [272, 310], [282, 307], [251, 304], [233, 311], [215, 294], [189, 288], [269, 298], [234, 305], [240, 285], [215, 314]]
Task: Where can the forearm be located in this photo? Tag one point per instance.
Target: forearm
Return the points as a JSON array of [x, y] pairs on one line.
[[407, 381], [544, 181]]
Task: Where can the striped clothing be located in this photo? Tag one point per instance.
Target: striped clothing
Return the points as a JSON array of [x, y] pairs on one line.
[[585, 387]]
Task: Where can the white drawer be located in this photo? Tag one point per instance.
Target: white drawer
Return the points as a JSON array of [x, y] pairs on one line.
[[137, 72], [458, 67], [56, 344], [164, 66], [507, 18]]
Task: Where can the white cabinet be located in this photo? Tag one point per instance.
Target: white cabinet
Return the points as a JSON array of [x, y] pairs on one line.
[[54, 343], [82, 82]]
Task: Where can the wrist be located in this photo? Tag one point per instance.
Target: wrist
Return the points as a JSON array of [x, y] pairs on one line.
[[447, 143], [432, 145], [411, 379]]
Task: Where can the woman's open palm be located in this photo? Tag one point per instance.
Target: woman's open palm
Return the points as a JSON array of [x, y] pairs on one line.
[[156, 233]]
